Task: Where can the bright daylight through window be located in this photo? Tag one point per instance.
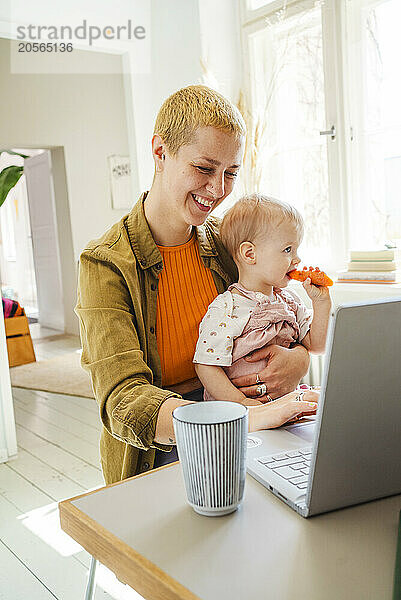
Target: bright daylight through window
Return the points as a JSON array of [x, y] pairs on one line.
[[303, 80], [375, 100]]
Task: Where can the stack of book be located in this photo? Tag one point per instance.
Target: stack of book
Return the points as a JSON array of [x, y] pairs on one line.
[[371, 266]]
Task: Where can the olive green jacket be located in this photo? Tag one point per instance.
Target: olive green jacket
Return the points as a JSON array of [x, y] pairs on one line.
[[117, 296]]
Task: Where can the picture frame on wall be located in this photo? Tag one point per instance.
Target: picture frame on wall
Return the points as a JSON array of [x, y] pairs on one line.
[[120, 181]]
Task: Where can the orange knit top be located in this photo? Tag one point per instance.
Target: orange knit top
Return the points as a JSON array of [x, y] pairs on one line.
[[186, 288]]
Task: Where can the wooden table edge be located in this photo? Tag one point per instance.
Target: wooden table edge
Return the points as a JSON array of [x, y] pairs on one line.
[[127, 564]]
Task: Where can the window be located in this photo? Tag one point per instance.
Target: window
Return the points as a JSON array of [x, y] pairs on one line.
[[374, 47], [255, 4], [321, 99]]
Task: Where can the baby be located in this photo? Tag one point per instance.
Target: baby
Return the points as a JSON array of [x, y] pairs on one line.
[[262, 235]]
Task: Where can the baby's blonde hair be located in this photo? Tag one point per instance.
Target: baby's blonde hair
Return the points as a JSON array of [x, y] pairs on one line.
[[253, 215], [192, 107]]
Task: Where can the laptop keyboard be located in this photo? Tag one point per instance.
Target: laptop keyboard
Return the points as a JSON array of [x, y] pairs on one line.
[[293, 466]]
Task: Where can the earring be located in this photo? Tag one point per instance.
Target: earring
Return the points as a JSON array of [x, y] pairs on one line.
[[163, 157]]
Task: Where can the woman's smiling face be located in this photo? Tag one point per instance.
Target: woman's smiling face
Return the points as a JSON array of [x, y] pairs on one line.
[[201, 175]]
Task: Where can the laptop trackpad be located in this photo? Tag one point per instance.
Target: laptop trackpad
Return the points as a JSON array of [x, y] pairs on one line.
[[304, 429]]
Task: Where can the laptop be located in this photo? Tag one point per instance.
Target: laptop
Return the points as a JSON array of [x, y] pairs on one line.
[[352, 452]]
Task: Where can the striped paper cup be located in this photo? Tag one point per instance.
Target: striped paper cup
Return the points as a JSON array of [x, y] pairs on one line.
[[211, 442]]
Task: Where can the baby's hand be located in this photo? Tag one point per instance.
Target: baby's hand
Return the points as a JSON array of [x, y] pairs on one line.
[[317, 293]]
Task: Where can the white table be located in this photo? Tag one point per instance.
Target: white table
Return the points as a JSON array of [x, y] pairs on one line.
[[143, 530]]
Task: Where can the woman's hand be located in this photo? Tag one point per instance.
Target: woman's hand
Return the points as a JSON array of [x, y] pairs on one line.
[[283, 372], [253, 401], [285, 409]]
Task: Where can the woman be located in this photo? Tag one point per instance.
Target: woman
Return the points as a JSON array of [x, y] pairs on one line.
[[147, 282]]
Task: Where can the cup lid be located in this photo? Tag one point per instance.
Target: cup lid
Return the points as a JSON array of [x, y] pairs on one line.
[[209, 413]]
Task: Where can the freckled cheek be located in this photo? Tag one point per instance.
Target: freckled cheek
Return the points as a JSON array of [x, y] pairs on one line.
[[228, 187], [196, 183]]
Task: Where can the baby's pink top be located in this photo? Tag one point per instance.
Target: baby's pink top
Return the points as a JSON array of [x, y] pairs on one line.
[[237, 324]]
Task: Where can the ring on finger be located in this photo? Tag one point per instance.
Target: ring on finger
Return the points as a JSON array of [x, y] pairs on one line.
[[261, 389], [258, 380]]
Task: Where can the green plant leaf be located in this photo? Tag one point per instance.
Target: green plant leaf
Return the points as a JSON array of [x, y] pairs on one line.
[[8, 179], [15, 153]]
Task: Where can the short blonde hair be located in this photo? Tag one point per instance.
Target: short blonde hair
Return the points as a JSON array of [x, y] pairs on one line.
[[251, 216], [192, 107]]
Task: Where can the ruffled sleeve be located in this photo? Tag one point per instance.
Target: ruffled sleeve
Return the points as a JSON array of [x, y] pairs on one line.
[[303, 314]]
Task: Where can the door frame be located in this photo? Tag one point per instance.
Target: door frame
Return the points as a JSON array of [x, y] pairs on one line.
[[50, 315], [8, 438]]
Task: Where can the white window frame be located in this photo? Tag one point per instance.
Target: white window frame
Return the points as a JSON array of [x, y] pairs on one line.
[[333, 32], [356, 96]]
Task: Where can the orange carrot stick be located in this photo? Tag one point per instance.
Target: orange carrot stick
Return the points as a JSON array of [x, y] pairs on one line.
[[317, 276]]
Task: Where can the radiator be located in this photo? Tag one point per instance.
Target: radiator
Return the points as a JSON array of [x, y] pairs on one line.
[[315, 373]]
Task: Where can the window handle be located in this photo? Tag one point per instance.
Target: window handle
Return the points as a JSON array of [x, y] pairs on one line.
[[331, 132]]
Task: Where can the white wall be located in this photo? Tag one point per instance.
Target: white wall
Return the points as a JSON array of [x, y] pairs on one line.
[[221, 45], [184, 32], [85, 114], [175, 63]]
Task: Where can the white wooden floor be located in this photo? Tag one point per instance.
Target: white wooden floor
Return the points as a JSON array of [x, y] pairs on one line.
[[58, 457]]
